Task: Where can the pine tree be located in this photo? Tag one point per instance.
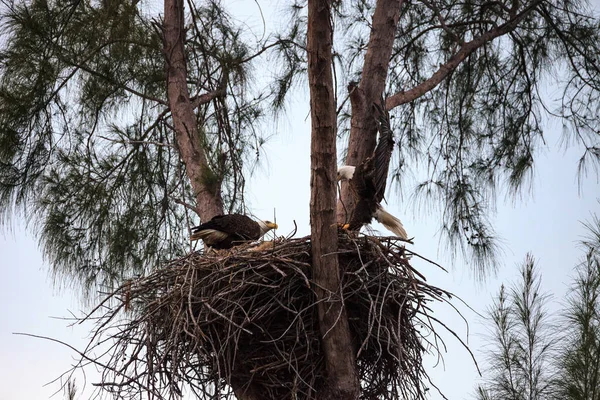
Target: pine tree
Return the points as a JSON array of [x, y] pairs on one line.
[[528, 360], [522, 342], [578, 361], [106, 164], [117, 127]]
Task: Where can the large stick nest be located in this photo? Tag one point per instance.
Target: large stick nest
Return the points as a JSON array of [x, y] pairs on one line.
[[247, 319]]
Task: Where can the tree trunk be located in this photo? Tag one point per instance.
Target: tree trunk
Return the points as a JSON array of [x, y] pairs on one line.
[[206, 187], [336, 338], [363, 127]]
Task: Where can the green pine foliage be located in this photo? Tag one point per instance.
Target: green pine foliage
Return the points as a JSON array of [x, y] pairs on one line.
[[526, 359], [87, 150], [520, 356], [482, 129], [83, 112], [579, 355]]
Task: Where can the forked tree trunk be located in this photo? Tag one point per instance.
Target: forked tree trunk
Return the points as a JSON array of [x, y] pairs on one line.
[[336, 341], [208, 196]]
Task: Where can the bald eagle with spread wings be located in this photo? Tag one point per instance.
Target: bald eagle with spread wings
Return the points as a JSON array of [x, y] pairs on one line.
[[367, 182]]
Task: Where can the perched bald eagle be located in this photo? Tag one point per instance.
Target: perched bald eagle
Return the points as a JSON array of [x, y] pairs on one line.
[[367, 182], [226, 231]]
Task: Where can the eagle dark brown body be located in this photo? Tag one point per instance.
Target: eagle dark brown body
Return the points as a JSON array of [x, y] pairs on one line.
[[368, 180], [364, 191], [227, 231]]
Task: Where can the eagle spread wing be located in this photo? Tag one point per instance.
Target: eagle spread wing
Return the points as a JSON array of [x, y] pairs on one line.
[[383, 152], [368, 180]]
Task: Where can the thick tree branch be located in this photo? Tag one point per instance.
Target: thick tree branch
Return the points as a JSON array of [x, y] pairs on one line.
[[333, 322], [465, 50], [363, 129], [206, 187]]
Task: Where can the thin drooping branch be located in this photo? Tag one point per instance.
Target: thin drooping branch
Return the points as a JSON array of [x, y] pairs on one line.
[[207, 188], [363, 130], [333, 321]]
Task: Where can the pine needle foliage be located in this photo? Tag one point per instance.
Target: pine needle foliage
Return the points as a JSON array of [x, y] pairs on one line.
[[87, 150], [566, 359], [477, 134], [520, 356], [579, 356]]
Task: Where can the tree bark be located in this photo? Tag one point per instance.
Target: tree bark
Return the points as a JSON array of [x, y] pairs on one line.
[[335, 333], [363, 127], [206, 184]]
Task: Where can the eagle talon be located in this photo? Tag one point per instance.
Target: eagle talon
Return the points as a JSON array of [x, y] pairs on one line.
[[343, 227]]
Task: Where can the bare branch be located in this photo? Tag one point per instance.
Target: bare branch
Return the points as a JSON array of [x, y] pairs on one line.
[[465, 50]]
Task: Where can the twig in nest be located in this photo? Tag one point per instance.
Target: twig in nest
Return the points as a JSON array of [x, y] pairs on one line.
[[248, 320]]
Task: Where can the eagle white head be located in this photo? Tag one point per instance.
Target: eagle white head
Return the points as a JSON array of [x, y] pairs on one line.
[[266, 226], [345, 173]]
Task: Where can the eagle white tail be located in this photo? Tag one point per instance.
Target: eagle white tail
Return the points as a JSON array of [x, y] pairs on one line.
[[390, 222]]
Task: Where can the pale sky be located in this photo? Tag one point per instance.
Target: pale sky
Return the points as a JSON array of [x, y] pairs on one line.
[[546, 223]]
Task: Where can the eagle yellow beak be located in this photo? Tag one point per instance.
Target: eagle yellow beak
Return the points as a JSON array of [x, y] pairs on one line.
[[272, 225]]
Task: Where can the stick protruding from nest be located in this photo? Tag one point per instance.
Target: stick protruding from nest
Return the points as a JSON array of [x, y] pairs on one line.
[[247, 320]]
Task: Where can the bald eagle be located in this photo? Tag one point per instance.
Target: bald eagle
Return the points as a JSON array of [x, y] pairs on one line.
[[367, 182], [226, 231]]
